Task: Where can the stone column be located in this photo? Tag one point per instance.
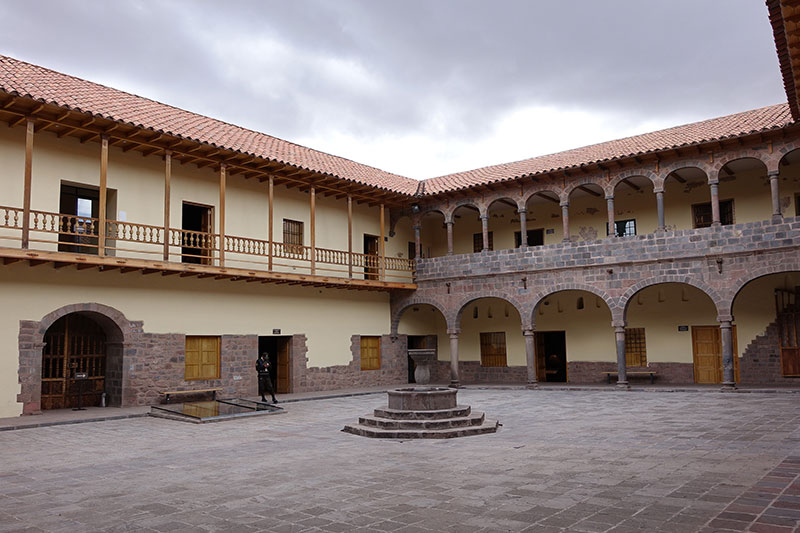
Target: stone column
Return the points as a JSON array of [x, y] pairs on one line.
[[660, 206], [449, 237], [418, 242], [565, 220], [530, 356], [622, 368], [612, 228], [715, 220], [777, 216], [728, 375], [523, 228], [485, 230], [454, 382]]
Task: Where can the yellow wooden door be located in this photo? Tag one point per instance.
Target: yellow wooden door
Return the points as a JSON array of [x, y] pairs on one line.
[[370, 353], [202, 358], [283, 382], [707, 348]]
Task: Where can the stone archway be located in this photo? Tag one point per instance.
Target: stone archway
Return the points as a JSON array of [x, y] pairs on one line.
[[119, 335]]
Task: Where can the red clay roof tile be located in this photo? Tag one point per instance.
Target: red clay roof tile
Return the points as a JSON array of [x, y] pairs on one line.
[[25, 79]]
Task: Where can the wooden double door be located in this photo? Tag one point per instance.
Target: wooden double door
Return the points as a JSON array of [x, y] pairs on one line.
[[707, 354], [75, 345]]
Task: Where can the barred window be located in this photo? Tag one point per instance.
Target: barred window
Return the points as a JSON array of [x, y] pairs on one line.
[[292, 232], [635, 348], [493, 349], [702, 214]]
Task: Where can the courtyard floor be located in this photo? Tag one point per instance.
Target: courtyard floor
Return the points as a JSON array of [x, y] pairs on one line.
[[586, 461]]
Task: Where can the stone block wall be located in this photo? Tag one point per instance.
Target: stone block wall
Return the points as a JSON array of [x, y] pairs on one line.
[[761, 361], [394, 367], [591, 373]]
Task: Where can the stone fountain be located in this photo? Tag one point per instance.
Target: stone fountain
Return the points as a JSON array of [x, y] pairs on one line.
[[422, 413]]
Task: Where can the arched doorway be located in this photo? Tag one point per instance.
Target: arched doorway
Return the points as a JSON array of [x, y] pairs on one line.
[[75, 345]]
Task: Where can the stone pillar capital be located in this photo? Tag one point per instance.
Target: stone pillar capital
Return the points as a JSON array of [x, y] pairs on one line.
[[522, 211], [564, 204], [773, 174], [528, 332], [610, 197], [484, 217]]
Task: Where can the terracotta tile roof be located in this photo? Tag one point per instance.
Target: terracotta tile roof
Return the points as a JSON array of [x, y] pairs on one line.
[[25, 79], [783, 15], [757, 120]]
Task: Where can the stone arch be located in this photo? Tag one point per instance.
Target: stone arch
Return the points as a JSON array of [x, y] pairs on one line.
[[784, 266], [454, 317], [617, 178], [539, 297], [500, 198], [582, 182], [552, 190], [746, 153], [120, 334], [666, 170], [448, 215], [397, 313], [720, 303]]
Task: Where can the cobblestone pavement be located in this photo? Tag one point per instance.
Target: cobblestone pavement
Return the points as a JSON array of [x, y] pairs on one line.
[[586, 461]]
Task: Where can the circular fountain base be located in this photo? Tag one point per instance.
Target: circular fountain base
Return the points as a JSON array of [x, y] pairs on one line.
[[422, 413]]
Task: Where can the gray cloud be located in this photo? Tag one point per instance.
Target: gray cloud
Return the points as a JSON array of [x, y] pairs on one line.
[[449, 67]]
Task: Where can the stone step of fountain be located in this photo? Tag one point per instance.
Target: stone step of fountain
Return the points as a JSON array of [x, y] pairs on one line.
[[474, 419], [488, 426], [439, 414]]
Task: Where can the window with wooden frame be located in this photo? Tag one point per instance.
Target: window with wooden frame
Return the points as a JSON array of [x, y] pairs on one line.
[[202, 357], [623, 228], [370, 353], [493, 349], [477, 242], [702, 214], [635, 347], [293, 236]]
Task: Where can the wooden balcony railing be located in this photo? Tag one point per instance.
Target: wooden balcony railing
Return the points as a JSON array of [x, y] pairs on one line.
[[71, 233]]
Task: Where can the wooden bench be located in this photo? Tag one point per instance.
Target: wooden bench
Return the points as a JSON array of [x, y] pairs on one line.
[[651, 373], [169, 393]]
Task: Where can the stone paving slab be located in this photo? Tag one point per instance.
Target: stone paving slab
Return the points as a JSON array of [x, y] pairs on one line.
[[586, 461]]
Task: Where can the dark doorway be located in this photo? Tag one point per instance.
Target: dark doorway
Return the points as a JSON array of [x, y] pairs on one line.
[[371, 261], [74, 344], [420, 342], [535, 238], [551, 354], [279, 350], [196, 242], [80, 208]]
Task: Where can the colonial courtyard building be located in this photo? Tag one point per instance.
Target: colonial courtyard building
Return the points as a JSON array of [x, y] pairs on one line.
[[150, 248]]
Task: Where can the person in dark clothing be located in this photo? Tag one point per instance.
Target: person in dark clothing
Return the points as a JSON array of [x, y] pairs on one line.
[[264, 379]]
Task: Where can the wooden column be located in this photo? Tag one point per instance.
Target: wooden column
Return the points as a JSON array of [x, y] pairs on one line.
[[660, 207], [222, 180], [382, 246], [271, 223], [777, 216], [313, 201], [523, 228], [530, 358], [349, 236], [715, 219], [167, 179], [101, 234], [26, 193], [454, 381], [622, 365], [726, 336], [612, 227], [565, 221]]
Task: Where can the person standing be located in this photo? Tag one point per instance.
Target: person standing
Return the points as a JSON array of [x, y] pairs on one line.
[[264, 378]]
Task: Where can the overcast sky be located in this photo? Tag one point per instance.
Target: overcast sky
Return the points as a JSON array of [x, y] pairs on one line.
[[418, 87]]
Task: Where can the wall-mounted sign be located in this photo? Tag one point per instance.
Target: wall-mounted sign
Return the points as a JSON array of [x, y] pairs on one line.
[[683, 328], [81, 375], [550, 231], [276, 332]]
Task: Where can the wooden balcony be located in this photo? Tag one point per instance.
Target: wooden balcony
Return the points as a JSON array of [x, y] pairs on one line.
[[64, 240]]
